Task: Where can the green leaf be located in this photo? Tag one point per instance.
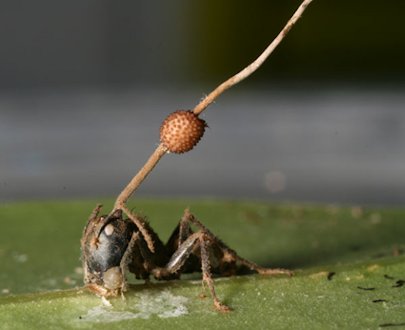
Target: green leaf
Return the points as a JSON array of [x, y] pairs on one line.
[[349, 269]]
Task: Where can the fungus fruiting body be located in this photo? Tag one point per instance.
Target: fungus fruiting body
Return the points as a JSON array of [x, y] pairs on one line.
[[181, 131]]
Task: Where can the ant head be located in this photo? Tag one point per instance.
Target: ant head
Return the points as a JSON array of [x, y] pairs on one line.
[[104, 243]]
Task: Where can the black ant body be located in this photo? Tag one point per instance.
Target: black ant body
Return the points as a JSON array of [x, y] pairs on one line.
[[112, 246]]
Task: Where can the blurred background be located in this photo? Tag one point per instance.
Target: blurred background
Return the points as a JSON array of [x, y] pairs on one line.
[[85, 84]]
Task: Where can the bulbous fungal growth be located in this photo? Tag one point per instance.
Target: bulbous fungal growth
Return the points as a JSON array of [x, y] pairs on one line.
[[181, 131]]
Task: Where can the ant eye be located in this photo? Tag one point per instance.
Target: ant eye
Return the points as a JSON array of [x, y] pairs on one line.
[[109, 229]]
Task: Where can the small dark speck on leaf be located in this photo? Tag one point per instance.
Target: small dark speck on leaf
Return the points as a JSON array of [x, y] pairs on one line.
[[388, 277], [330, 275], [386, 325], [365, 289], [379, 300], [355, 248], [80, 317], [399, 283]]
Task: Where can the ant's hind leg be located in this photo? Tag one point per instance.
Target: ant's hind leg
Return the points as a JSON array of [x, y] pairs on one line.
[[230, 255], [180, 233], [198, 240], [206, 273], [184, 244]]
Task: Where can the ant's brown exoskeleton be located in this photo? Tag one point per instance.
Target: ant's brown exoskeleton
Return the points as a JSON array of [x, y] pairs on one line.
[[112, 246]]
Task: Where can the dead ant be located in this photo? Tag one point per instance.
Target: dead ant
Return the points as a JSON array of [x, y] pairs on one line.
[[111, 246]]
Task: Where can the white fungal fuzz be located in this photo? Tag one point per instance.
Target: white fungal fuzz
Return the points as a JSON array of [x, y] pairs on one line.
[[105, 301]]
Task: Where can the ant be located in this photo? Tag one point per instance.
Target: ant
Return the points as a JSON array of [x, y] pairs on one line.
[[112, 246]]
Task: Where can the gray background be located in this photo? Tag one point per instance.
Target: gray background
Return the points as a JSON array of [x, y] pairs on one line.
[[84, 86]]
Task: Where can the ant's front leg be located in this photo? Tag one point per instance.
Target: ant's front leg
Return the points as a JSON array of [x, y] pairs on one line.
[[142, 227]]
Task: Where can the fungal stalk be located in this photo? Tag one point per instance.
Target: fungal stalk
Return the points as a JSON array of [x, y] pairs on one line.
[[164, 147]]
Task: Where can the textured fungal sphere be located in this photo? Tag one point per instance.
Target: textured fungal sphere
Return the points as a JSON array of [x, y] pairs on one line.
[[181, 131]]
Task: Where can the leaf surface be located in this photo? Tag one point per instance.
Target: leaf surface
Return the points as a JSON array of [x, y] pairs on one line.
[[350, 270]]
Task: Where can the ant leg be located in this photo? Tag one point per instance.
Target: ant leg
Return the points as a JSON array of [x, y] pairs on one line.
[[142, 226], [184, 229], [230, 255], [126, 259], [179, 235], [196, 240], [91, 223], [206, 272], [178, 258], [142, 259], [188, 242]]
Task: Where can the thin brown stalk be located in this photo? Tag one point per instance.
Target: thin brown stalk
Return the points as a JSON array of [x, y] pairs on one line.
[[161, 150], [252, 67], [140, 176]]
